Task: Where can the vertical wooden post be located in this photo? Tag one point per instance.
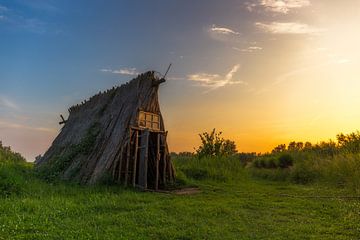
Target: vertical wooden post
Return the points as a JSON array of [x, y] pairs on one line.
[[164, 160], [143, 162], [135, 156], [157, 162], [127, 160]]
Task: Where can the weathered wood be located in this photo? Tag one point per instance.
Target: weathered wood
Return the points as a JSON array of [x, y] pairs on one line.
[[63, 121], [127, 161], [143, 160], [157, 162], [135, 157], [107, 117], [120, 163], [164, 167]]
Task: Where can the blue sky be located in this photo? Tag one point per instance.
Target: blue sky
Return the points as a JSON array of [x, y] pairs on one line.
[[232, 62]]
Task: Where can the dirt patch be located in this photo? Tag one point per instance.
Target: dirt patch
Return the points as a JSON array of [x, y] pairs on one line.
[[182, 191], [186, 191]]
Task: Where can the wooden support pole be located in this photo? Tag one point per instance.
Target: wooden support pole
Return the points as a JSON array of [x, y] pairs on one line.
[[127, 161], [164, 160], [157, 162], [168, 159], [143, 161], [135, 157], [146, 158]]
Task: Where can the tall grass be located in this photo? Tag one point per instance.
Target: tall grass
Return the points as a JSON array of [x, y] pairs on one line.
[[220, 169], [341, 170]]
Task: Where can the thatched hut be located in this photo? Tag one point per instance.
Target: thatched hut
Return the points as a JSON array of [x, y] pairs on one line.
[[117, 135]]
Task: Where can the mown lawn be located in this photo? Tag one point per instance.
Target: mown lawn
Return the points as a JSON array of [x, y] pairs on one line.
[[239, 208]]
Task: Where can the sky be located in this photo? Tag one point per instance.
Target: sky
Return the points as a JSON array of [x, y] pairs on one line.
[[263, 72]]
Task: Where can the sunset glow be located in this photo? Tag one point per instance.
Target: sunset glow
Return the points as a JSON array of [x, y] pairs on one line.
[[263, 72]]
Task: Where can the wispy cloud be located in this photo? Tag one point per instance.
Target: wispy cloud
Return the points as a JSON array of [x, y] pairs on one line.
[[214, 81], [17, 20], [4, 124], [3, 8], [7, 103], [223, 33], [223, 30], [250, 49], [121, 71], [278, 6], [288, 28], [40, 5]]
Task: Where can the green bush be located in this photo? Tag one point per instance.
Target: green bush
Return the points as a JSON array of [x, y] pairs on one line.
[[285, 160], [257, 163], [213, 145], [302, 173], [276, 174], [271, 163]]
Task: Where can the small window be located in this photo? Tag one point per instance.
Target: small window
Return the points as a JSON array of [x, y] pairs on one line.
[[149, 120]]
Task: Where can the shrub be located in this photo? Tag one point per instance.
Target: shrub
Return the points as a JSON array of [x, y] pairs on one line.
[[271, 174], [285, 160], [213, 145], [271, 163], [12, 178], [303, 173], [257, 163]]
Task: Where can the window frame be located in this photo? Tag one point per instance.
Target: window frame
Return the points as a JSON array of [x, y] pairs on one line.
[[149, 120]]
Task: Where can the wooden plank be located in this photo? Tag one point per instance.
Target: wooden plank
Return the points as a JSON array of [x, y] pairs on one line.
[[127, 160], [141, 129], [164, 161], [143, 160], [135, 157], [157, 162]]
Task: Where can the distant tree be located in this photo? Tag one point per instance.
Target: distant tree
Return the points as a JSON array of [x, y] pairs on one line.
[[307, 146], [213, 145], [299, 146], [185, 154], [280, 148], [295, 146], [245, 158], [349, 142], [228, 148]]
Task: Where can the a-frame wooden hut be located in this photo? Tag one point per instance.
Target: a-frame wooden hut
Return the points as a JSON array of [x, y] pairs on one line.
[[117, 135]]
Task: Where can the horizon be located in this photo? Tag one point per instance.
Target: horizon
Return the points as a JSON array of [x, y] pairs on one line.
[[264, 72]]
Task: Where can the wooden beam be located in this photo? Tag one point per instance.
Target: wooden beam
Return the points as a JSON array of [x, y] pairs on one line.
[[63, 120], [135, 157], [151, 130], [157, 162], [143, 161], [127, 161]]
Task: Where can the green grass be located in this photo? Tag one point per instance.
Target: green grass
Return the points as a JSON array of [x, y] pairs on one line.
[[232, 205], [339, 170]]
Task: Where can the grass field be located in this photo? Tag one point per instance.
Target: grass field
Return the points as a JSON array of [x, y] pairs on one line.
[[231, 205]]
